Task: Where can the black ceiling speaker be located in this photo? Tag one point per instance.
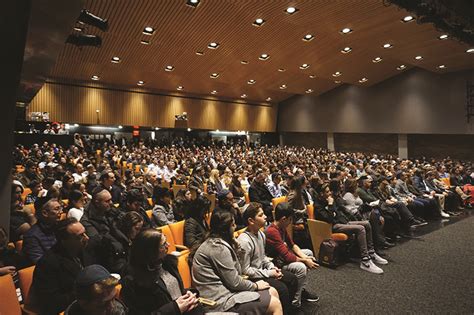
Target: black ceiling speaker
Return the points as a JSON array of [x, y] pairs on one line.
[[94, 20], [84, 40]]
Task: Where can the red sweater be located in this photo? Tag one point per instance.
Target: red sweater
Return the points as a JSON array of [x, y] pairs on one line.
[[279, 244]]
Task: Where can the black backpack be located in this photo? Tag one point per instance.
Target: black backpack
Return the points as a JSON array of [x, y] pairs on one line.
[[328, 253]]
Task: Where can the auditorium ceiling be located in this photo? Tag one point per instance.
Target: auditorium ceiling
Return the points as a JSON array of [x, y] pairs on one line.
[[182, 34]]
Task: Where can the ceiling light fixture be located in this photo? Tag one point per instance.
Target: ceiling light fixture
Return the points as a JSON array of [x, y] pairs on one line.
[[291, 10], [193, 3], [115, 59], [169, 68], [141, 83], [346, 31], [376, 59], [346, 50], [214, 92], [336, 74], [470, 50], [189, 129], [308, 37], [214, 75], [419, 58], [244, 62], [251, 81], [213, 45], [312, 76], [363, 80], [148, 30], [387, 45], [179, 88], [401, 67], [441, 67], [283, 86], [281, 69], [199, 53], [145, 42], [268, 99], [258, 22], [243, 96], [304, 66], [337, 81], [309, 91], [408, 18], [264, 57], [95, 77], [78, 29], [443, 37]]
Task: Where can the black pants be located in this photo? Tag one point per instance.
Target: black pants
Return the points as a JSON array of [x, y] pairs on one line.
[[286, 288]]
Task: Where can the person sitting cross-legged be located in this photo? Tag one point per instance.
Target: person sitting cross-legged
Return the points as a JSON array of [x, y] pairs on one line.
[[287, 254]]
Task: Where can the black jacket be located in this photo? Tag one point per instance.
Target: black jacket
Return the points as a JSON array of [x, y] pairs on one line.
[[53, 281], [143, 300], [260, 193], [194, 232], [116, 252], [329, 213]]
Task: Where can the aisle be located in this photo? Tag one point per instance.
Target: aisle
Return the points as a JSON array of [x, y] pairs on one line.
[[434, 274]]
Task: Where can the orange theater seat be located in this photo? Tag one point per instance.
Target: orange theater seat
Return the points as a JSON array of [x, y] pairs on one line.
[[9, 304], [30, 207], [320, 231], [149, 213], [19, 246], [177, 229], [310, 210], [25, 277], [276, 201], [177, 188], [172, 249], [25, 193], [184, 270]]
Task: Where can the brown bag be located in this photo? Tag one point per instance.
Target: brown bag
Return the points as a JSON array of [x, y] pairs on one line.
[[328, 253]]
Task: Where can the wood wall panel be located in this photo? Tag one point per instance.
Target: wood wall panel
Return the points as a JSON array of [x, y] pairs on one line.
[[365, 142], [76, 104]]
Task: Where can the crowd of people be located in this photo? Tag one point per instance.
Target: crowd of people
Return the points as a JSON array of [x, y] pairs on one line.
[[104, 233]]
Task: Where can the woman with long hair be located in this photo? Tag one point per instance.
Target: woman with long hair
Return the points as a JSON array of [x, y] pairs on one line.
[[21, 219], [214, 184], [180, 202], [195, 225], [237, 191], [217, 273], [154, 285], [66, 188]]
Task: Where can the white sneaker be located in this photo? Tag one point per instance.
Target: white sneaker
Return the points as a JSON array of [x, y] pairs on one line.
[[369, 266], [444, 214], [378, 260]]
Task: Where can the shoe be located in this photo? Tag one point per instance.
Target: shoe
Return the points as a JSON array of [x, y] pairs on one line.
[[309, 297], [417, 223], [466, 197], [444, 214], [369, 266], [387, 244], [378, 260]]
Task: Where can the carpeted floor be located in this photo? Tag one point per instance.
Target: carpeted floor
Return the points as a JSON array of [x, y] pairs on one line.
[[430, 275]]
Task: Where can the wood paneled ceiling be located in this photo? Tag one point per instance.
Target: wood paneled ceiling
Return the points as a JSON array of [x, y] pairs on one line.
[[181, 31]]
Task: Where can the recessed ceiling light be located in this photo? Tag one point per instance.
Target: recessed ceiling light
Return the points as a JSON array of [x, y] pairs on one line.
[[148, 30], [418, 57], [312, 76], [141, 83], [214, 75], [309, 91], [214, 92], [169, 68], [441, 67], [193, 3], [444, 36], [470, 50], [115, 59], [244, 62], [308, 37], [264, 56], [120, 126], [251, 81], [199, 53], [408, 18], [337, 81], [145, 42], [336, 74], [78, 29], [346, 30], [283, 86], [95, 77], [258, 22], [291, 10], [179, 88], [189, 129], [304, 66], [387, 45], [363, 80], [281, 69], [213, 45], [157, 128], [401, 67], [268, 99], [346, 50], [376, 59], [243, 96]]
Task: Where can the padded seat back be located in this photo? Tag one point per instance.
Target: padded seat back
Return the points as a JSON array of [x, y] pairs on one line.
[[177, 229], [184, 270], [25, 277], [9, 304], [169, 237], [318, 231]]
